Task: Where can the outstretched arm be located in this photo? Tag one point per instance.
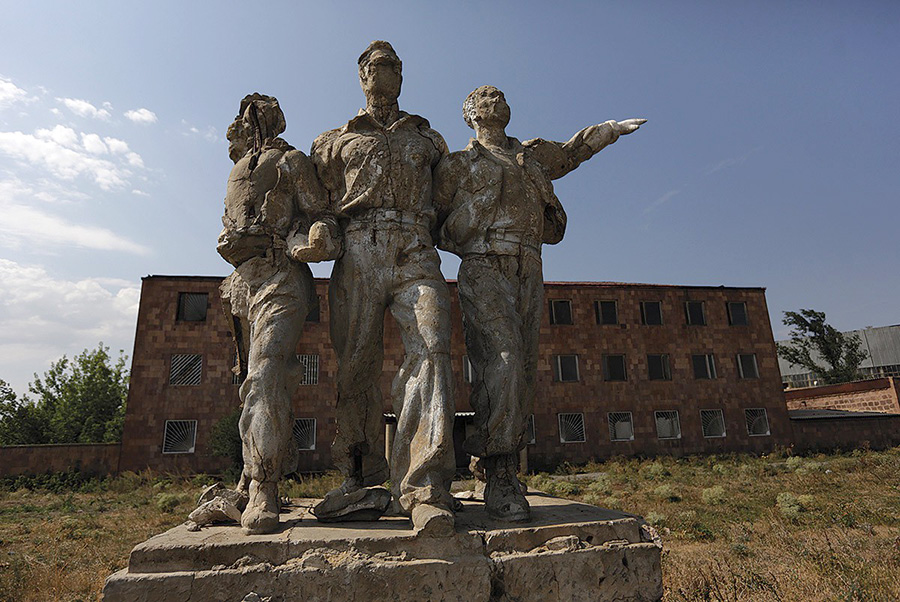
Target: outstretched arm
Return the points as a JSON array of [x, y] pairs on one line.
[[561, 158]]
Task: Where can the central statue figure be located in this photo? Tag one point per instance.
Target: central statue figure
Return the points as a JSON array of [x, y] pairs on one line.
[[377, 170]]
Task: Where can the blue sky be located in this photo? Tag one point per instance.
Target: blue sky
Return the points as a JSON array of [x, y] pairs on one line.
[[770, 157]]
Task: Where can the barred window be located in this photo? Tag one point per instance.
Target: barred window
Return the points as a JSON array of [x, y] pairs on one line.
[[704, 366], [192, 307], [185, 369], [667, 425], [529, 430], [621, 427], [235, 369], [305, 433], [571, 428], [560, 311], [651, 313], [179, 437], [310, 365], [737, 313], [566, 368], [658, 367], [614, 367], [607, 312], [747, 367], [713, 423], [695, 313], [468, 370], [757, 422]]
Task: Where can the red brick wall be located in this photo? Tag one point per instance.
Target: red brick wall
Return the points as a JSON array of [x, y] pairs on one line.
[[152, 401], [91, 458], [824, 434], [877, 395]]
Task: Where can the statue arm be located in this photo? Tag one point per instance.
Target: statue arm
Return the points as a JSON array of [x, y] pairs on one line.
[[447, 178]]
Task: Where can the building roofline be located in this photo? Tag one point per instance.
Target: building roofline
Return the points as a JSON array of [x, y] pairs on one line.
[[553, 283]]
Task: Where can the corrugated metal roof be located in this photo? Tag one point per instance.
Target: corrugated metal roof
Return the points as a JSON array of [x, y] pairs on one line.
[[882, 343]]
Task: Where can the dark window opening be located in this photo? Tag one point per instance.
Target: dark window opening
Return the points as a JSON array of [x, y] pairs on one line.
[[651, 313], [737, 313], [704, 366], [560, 311], [614, 367], [659, 367], [695, 314], [607, 312], [566, 368]]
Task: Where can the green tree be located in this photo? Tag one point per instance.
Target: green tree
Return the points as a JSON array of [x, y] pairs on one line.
[[225, 441], [76, 401], [821, 348]]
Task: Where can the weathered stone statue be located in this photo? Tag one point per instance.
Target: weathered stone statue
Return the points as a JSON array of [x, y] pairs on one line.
[[500, 207], [272, 198], [377, 170]]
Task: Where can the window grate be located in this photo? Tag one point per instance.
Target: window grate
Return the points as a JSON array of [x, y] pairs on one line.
[[757, 422], [186, 369], [192, 307], [712, 423], [310, 364], [621, 427], [571, 428], [179, 436], [529, 430], [235, 370], [305, 433], [667, 425]]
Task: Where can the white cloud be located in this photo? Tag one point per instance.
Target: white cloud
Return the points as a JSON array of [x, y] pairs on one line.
[[134, 160], [50, 150], [139, 193], [93, 144], [209, 133], [24, 225], [61, 135], [660, 201], [141, 115], [11, 94], [115, 145], [43, 317], [83, 108]]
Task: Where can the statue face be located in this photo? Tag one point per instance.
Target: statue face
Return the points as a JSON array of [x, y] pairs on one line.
[[490, 108], [238, 140], [380, 77]]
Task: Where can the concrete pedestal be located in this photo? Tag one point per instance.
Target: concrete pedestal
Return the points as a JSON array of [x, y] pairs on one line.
[[568, 551]]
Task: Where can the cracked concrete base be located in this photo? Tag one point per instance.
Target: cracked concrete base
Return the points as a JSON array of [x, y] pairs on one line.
[[568, 551]]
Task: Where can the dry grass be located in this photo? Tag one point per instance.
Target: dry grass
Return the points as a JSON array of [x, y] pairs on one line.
[[735, 528]]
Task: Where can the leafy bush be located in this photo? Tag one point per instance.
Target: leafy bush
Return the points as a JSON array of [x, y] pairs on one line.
[[225, 442], [713, 496], [667, 493]]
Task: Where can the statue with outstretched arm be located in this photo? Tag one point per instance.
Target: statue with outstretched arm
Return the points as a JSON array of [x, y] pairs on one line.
[[498, 207]]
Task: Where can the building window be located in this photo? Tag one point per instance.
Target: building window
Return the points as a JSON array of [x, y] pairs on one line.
[[235, 369], [310, 366], [695, 313], [614, 367], [313, 315], [468, 370], [179, 437], [651, 313], [713, 423], [621, 428], [192, 307], [186, 369], [566, 368], [305, 433], [737, 313], [704, 366], [746, 363], [529, 430], [658, 366], [571, 428], [757, 422], [667, 425], [607, 312], [560, 311]]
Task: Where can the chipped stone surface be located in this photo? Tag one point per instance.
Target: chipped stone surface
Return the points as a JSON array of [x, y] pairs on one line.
[[216, 510], [569, 551], [238, 498]]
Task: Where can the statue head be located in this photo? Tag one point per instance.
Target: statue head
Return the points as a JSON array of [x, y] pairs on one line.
[[259, 118], [486, 105], [380, 72]]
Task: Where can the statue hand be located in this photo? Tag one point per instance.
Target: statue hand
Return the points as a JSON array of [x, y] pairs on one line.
[[629, 125], [315, 247]]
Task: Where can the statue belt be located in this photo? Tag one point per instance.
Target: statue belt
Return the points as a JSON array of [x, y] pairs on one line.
[[502, 240], [384, 218]]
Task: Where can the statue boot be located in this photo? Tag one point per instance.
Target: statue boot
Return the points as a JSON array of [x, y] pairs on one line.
[[433, 520], [261, 514], [504, 498]]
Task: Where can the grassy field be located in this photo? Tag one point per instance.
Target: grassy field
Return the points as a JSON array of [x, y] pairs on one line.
[[778, 527]]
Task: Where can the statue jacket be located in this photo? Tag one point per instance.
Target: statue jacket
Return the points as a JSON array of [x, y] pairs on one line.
[[494, 201]]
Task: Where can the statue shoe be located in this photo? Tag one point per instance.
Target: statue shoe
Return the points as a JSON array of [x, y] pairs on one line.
[[503, 496], [261, 514], [363, 504], [431, 520]]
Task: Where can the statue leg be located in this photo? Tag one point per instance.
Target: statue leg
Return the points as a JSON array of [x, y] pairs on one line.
[[277, 312], [423, 462]]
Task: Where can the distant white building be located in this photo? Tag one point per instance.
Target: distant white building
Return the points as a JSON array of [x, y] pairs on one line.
[[882, 343]]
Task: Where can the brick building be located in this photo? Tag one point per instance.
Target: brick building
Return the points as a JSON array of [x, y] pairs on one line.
[[630, 369]]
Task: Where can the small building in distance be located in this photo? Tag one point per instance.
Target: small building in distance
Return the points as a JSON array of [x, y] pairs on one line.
[[624, 369]]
